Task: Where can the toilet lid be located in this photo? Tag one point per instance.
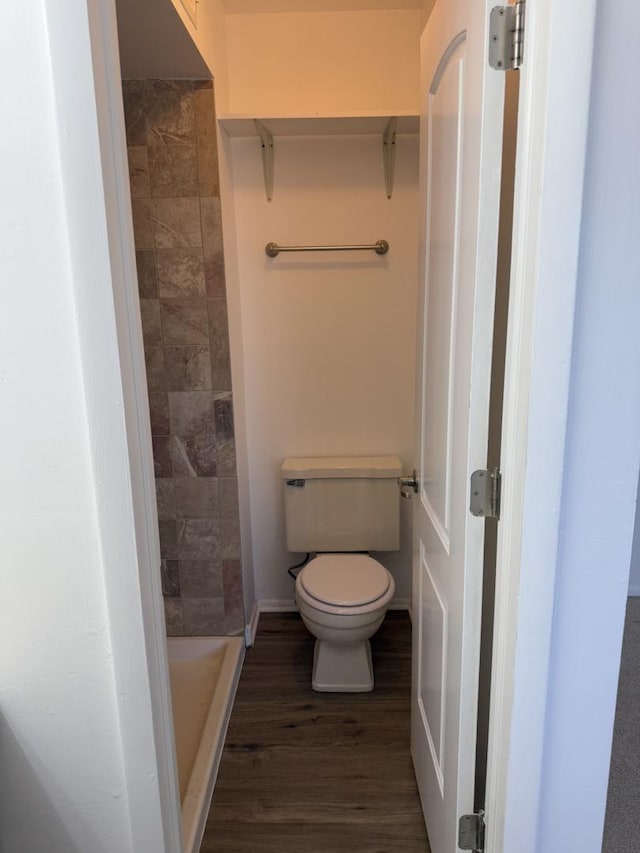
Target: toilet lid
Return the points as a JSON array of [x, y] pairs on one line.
[[346, 580]]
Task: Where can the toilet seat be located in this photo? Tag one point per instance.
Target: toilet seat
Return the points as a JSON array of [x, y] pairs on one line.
[[345, 583]]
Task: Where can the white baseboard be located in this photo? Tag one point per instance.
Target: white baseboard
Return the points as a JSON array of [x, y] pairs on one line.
[[277, 605], [288, 605], [634, 590], [251, 628]]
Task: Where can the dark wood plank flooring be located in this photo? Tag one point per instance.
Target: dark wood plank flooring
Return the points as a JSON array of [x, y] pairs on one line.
[[306, 772]]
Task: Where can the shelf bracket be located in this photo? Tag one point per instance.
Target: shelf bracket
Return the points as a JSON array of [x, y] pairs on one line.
[[389, 154], [266, 140]]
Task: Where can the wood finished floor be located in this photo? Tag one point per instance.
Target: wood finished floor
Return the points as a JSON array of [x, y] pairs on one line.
[[306, 772]]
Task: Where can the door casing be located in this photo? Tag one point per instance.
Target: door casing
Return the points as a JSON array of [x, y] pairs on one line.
[[552, 140]]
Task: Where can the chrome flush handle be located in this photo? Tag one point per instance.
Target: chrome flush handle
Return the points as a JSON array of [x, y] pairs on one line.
[[407, 483]]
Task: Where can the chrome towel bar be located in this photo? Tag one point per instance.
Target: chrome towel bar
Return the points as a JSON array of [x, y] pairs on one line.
[[380, 247]]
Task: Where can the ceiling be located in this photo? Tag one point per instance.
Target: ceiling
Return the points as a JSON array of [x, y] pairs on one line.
[[154, 42], [237, 7]]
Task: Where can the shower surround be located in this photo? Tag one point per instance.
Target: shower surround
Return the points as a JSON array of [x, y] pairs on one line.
[[173, 166]]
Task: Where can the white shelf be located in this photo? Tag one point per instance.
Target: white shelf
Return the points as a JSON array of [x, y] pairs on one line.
[[319, 125], [266, 128]]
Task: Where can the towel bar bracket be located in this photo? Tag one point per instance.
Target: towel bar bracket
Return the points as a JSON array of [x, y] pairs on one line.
[[389, 154], [266, 141]]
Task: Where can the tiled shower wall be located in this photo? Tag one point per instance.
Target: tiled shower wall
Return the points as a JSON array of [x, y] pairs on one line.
[[171, 137]]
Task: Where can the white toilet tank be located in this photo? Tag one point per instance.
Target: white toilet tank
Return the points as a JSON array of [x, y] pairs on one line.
[[342, 503]]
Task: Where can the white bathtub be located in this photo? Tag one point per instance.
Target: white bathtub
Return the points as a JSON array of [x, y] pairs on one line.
[[204, 673]]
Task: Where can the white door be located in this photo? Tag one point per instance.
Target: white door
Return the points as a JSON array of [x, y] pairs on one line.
[[461, 132]]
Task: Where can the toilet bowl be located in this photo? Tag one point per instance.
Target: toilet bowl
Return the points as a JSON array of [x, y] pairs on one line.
[[343, 598]]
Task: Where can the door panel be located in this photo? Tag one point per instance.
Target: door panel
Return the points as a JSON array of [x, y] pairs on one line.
[[432, 672], [461, 140], [444, 140]]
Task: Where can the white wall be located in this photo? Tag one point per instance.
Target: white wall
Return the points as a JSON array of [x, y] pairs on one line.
[[301, 64], [328, 340], [323, 62], [426, 7], [210, 37], [602, 455], [79, 765], [63, 782]]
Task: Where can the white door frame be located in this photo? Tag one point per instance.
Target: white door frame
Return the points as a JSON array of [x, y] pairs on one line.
[[552, 139], [87, 87]]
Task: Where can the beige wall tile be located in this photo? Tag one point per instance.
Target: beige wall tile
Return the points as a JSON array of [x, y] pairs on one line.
[[226, 458], [233, 597], [197, 497], [191, 412], [162, 456], [229, 518], [170, 112], [176, 223], [184, 322], [198, 538], [188, 368], [213, 246], [180, 272], [151, 328], [147, 273], [207, 143], [135, 118], [218, 332], [168, 540], [143, 223], [201, 578], [173, 171], [195, 455], [166, 499], [203, 616], [138, 171], [223, 410], [221, 377], [173, 617], [156, 373], [170, 578], [159, 413]]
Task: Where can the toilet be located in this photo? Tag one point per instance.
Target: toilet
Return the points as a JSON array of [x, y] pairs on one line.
[[340, 508]]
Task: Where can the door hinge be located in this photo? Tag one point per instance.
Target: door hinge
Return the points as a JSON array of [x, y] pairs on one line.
[[471, 832], [506, 36], [484, 499]]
